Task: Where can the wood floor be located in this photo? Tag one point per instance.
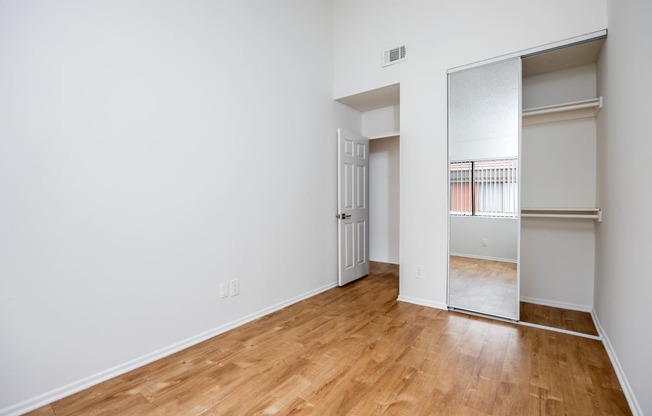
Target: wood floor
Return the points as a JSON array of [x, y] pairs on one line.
[[357, 351], [558, 318], [490, 286], [485, 286]]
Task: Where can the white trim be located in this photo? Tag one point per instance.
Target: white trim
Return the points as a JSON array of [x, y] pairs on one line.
[[597, 323], [384, 262], [563, 331], [557, 304], [624, 383], [519, 174], [86, 382], [536, 50], [473, 256], [422, 302], [482, 315]]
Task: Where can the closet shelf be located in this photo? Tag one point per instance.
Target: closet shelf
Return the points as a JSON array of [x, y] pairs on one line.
[[580, 213], [386, 135], [561, 112]]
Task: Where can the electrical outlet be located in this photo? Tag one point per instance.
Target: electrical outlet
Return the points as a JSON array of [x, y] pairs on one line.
[[224, 290], [484, 241], [235, 287], [418, 272]]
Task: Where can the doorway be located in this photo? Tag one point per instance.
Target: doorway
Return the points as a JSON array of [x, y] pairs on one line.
[[378, 114], [384, 199]]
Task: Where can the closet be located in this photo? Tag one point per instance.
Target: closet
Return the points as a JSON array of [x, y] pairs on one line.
[[548, 234], [558, 178]]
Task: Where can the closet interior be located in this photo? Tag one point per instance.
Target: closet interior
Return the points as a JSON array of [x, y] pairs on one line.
[[559, 212]]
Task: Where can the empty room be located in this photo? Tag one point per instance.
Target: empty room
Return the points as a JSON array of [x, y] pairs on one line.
[[463, 230]]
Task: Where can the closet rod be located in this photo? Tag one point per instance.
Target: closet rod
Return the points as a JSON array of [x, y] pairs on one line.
[[577, 105], [579, 213], [585, 216]]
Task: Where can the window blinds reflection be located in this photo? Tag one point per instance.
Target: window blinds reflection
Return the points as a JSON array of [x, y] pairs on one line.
[[486, 188]]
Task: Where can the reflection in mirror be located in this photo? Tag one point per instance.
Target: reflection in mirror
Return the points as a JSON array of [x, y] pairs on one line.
[[483, 225], [484, 130]]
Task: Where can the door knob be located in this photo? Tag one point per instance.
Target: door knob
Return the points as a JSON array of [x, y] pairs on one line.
[[344, 216]]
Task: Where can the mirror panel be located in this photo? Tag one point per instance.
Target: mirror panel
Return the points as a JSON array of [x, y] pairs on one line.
[[484, 111], [484, 135]]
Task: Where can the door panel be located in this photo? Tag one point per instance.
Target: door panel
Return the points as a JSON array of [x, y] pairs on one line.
[[361, 249], [353, 214], [361, 186], [348, 184], [484, 121]]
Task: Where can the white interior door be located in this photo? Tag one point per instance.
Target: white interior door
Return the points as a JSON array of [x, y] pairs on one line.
[[353, 206]]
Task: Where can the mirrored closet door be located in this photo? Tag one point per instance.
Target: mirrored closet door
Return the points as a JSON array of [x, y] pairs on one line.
[[522, 184], [484, 146]]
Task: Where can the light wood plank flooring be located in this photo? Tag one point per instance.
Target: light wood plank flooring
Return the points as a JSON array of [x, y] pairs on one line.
[[357, 351], [558, 318], [485, 286], [490, 287]]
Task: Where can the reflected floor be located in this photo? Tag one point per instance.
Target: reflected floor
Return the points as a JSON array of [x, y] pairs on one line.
[[485, 286], [490, 287]]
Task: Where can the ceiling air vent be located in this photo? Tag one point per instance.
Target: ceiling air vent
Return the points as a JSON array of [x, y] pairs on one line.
[[394, 55]]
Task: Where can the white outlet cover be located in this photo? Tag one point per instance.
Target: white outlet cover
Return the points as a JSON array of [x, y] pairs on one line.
[[235, 287], [419, 271], [224, 290]]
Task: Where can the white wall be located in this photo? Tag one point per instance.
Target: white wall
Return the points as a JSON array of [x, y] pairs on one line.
[[467, 234], [567, 85], [559, 158], [558, 171], [557, 262], [381, 122], [384, 199], [559, 164], [347, 118], [623, 285], [141, 165], [438, 36]]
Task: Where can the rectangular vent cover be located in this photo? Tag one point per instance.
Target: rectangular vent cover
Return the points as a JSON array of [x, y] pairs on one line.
[[394, 55]]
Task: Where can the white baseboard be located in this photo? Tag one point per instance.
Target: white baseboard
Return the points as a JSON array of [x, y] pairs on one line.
[[473, 256], [556, 304], [422, 302], [69, 389], [624, 383], [384, 262]]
